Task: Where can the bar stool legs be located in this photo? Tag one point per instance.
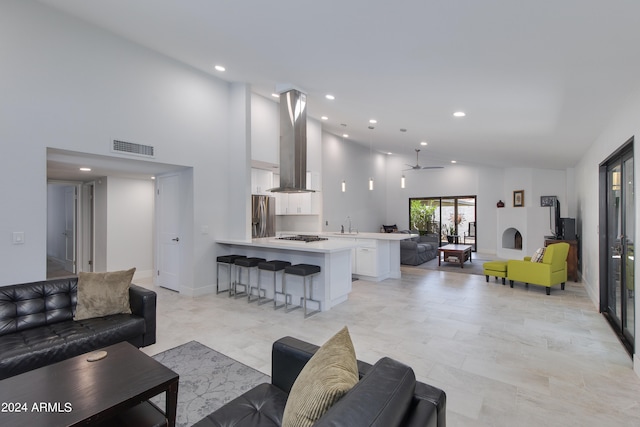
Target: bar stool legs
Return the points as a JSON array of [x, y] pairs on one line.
[[306, 271], [228, 261], [241, 264], [272, 266]]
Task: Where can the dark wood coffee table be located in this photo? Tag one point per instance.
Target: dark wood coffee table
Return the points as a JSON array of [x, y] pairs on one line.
[[461, 252], [76, 392]]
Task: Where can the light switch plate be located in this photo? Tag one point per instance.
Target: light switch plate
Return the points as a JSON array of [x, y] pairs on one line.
[[18, 237]]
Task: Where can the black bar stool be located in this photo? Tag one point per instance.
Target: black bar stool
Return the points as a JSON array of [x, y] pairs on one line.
[[242, 263], [273, 266], [305, 271], [227, 260]]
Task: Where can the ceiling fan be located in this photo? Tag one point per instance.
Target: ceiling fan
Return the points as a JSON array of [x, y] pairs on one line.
[[417, 165]]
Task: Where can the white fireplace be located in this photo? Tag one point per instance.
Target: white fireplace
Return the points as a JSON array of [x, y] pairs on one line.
[[521, 231]]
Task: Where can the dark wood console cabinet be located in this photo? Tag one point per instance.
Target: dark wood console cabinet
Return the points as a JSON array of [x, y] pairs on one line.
[[572, 258]]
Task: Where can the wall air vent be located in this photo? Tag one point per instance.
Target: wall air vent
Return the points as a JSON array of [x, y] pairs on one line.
[[132, 148]]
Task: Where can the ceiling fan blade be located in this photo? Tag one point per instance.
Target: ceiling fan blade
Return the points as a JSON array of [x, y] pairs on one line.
[[433, 167]]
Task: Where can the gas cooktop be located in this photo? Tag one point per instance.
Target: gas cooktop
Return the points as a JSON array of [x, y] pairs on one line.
[[304, 238]]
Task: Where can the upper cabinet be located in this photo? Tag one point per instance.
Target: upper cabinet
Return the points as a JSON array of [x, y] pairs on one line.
[[265, 130], [261, 181]]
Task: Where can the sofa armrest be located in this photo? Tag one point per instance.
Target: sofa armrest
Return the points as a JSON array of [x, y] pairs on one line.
[[408, 245], [143, 304], [381, 398], [288, 357]]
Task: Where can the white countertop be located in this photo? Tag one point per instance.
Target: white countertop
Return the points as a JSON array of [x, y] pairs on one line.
[[376, 236], [323, 246]]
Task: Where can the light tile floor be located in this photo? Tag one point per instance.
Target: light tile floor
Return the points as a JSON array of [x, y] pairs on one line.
[[505, 357]]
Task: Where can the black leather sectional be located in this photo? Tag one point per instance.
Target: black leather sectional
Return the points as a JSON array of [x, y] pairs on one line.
[[387, 395], [37, 326]]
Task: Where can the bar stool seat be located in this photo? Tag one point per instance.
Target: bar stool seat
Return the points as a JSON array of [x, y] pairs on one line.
[[249, 263], [273, 266], [229, 261], [305, 271]]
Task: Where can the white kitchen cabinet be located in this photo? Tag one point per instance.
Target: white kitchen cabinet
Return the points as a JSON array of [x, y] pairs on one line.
[[298, 203], [261, 181], [367, 261]]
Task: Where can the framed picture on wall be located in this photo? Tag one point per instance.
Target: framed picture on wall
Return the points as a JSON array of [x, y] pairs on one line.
[[518, 198]]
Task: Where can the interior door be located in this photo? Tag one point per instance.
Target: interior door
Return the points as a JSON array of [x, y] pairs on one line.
[[70, 208], [168, 231]]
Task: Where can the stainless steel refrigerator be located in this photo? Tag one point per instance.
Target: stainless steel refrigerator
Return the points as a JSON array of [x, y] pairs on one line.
[[263, 216]]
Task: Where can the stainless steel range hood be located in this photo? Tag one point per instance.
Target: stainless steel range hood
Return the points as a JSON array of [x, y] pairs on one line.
[[293, 143]]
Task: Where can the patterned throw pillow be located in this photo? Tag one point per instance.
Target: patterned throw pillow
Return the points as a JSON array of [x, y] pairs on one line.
[[326, 377], [537, 257]]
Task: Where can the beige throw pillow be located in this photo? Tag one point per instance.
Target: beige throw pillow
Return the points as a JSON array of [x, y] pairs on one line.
[[102, 294], [326, 377], [538, 255]]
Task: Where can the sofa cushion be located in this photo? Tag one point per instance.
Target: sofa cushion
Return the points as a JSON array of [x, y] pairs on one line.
[[263, 405], [326, 377], [33, 348], [103, 294]]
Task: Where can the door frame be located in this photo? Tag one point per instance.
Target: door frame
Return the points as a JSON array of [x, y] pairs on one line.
[[619, 155], [158, 215]]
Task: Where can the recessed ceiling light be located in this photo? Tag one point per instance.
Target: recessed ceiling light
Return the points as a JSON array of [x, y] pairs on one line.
[[329, 96], [275, 95], [459, 114], [85, 169], [220, 68], [373, 121], [423, 143], [153, 177], [389, 153], [324, 118], [453, 161], [345, 135]]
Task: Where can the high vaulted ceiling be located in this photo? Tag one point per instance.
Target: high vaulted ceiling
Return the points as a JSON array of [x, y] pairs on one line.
[[538, 80]]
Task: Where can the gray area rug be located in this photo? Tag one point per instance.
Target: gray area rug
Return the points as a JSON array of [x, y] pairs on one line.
[[473, 267], [208, 380]]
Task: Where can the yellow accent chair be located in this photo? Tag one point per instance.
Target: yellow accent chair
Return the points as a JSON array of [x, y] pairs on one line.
[[551, 271]]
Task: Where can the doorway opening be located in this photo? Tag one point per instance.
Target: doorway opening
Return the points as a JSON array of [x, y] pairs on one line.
[[70, 236], [617, 264]]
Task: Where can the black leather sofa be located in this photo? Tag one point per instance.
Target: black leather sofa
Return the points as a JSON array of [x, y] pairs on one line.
[[37, 326], [419, 249], [387, 395]]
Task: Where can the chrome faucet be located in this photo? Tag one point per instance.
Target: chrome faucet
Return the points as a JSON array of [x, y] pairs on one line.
[[349, 219]]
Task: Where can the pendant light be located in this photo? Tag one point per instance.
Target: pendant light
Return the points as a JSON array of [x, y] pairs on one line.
[[402, 182], [371, 157], [344, 186]]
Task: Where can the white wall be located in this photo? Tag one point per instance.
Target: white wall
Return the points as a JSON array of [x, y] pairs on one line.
[[68, 85], [353, 163], [130, 214], [454, 180]]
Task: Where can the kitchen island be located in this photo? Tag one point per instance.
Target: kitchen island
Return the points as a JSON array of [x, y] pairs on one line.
[[331, 287], [375, 256]]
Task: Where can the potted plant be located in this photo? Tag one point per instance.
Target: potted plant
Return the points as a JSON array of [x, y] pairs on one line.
[[450, 230]]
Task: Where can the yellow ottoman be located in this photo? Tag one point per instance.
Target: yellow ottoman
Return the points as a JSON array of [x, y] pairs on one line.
[[495, 269]]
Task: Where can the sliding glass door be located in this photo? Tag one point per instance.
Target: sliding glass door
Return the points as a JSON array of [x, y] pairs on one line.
[[617, 282], [454, 218]]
